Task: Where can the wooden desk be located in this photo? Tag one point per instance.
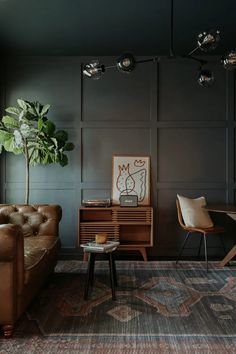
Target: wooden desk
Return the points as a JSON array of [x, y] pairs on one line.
[[231, 211]]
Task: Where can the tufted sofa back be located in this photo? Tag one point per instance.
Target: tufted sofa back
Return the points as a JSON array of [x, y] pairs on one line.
[[34, 220]]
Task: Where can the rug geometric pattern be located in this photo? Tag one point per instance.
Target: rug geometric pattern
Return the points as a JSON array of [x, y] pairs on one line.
[[160, 308]]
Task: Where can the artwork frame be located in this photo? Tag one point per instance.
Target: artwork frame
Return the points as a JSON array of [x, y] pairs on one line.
[[131, 176]]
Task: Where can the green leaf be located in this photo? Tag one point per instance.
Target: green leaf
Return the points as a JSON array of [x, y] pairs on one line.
[[34, 157], [13, 110], [22, 104], [32, 112], [63, 160], [37, 108], [45, 109], [55, 142], [10, 122], [4, 136], [9, 144], [61, 135], [69, 147], [17, 151], [49, 127], [40, 124]]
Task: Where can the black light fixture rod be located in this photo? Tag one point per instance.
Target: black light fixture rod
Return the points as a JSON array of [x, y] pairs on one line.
[[172, 29], [201, 61], [193, 51], [110, 66], [147, 60]]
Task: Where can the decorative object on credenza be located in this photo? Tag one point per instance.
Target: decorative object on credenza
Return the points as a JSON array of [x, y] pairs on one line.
[[128, 200], [131, 176], [96, 202], [101, 238], [28, 131]]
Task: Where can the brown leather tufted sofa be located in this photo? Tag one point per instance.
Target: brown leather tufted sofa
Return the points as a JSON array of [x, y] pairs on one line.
[[28, 253]]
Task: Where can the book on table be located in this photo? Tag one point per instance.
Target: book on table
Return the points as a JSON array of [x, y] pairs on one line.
[[100, 247]]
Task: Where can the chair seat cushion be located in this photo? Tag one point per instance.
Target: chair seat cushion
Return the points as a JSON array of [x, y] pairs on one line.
[[193, 214]]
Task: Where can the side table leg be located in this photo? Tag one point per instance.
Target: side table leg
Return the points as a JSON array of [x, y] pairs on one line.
[[93, 256], [89, 273], [114, 269], [112, 277]]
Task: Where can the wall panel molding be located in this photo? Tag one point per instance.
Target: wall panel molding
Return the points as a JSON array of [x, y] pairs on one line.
[[157, 110]]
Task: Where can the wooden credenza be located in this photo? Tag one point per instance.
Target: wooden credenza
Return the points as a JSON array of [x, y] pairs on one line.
[[132, 227]]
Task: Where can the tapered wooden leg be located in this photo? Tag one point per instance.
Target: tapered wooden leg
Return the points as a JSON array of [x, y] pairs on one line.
[[229, 256], [143, 252], [7, 330]]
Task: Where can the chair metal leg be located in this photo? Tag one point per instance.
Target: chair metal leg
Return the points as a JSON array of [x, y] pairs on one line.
[[205, 247], [182, 247], [200, 247]]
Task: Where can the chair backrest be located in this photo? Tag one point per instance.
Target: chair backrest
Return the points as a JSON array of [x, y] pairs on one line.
[[180, 217]]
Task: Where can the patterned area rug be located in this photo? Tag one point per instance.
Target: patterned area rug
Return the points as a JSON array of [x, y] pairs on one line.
[[160, 308]]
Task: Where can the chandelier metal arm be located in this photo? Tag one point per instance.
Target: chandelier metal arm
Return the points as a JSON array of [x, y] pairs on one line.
[[193, 51], [201, 61], [147, 60]]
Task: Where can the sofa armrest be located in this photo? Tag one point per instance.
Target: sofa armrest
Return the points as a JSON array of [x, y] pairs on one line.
[[12, 255], [8, 241]]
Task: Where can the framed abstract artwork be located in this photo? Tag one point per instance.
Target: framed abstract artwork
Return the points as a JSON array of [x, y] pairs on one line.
[[131, 176]]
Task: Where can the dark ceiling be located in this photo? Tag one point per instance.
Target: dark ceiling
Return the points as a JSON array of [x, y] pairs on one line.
[[108, 27]]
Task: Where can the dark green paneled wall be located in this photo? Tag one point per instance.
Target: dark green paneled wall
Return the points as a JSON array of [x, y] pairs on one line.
[[158, 110]]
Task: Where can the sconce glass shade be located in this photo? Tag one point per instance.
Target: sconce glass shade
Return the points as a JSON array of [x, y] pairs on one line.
[[205, 78], [126, 63], [93, 70], [229, 61], [208, 40]]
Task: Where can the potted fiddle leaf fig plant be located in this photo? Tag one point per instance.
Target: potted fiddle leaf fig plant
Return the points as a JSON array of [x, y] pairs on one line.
[[27, 130]]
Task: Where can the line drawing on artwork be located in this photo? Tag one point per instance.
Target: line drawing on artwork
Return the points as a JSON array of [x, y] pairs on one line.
[[132, 182]]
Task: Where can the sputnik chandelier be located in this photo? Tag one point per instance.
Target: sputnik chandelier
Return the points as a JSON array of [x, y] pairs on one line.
[[207, 41]]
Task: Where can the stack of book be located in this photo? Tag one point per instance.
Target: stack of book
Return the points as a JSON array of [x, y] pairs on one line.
[[100, 247]]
